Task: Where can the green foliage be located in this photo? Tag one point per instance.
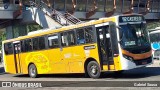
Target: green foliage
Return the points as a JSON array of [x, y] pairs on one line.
[[32, 27], [2, 37], [19, 30]]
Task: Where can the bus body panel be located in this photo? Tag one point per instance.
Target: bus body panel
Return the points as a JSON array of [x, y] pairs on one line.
[[54, 61], [9, 64], [118, 64], [80, 55], [39, 58], [57, 64], [23, 63]]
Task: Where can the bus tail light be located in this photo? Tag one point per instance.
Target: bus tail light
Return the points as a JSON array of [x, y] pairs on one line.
[[116, 55]]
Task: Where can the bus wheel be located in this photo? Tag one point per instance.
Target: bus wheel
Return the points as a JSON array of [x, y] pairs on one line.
[[32, 71], [93, 69]]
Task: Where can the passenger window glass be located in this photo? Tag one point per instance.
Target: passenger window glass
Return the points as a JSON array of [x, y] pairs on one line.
[[80, 36], [71, 38], [42, 43], [68, 38], [35, 44], [8, 48], [22, 46], [28, 45], [89, 35], [64, 40], [53, 41]]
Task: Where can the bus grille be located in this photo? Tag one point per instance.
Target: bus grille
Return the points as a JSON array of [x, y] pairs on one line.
[[143, 61], [139, 51]]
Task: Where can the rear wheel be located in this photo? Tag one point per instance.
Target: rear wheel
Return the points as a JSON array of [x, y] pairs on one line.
[[32, 71], [93, 69]]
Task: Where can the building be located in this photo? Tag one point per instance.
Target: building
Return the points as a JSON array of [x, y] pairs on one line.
[[17, 15]]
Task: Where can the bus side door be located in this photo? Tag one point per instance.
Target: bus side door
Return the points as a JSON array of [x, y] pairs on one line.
[[16, 52], [105, 43]]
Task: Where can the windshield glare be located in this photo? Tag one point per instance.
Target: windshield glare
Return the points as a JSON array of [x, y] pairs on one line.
[[133, 35]]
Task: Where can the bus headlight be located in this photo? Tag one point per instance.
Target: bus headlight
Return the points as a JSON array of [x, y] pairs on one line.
[[128, 57]]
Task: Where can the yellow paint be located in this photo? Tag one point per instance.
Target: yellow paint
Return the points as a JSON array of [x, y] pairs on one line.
[[65, 60], [112, 67], [9, 64], [117, 63], [105, 67], [115, 67], [40, 60]]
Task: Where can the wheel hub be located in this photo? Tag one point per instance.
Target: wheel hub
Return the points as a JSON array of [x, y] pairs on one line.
[[33, 71], [94, 69]]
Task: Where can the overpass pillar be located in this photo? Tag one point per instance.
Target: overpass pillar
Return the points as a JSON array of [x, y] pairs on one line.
[[22, 30], [9, 32]]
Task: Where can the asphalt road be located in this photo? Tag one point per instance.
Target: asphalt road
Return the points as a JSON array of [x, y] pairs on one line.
[[148, 74]]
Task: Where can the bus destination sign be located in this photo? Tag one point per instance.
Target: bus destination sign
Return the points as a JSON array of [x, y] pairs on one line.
[[135, 18]]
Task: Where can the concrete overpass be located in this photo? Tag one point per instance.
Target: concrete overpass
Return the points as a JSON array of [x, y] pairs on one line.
[[42, 11]]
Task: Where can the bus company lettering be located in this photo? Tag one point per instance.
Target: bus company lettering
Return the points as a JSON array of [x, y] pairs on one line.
[[15, 84]]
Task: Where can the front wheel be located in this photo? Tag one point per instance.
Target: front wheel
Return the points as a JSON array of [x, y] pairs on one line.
[[93, 69], [32, 71]]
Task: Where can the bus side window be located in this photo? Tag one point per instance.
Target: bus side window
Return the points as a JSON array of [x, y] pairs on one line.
[[64, 41], [22, 46], [35, 43], [28, 45], [53, 41], [8, 48], [89, 35], [71, 38], [80, 36], [42, 43]]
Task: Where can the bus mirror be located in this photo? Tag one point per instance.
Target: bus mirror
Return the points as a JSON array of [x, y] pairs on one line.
[[142, 25], [113, 36], [119, 28]]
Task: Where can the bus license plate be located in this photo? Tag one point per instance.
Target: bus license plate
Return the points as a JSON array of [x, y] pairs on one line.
[[144, 63]]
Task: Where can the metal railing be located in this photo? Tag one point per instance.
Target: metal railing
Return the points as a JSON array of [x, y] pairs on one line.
[[63, 19], [72, 18]]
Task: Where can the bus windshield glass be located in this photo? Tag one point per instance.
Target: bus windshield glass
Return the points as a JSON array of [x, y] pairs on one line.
[[133, 35]]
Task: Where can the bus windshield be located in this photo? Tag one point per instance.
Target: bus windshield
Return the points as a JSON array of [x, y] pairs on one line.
[[133, 35]]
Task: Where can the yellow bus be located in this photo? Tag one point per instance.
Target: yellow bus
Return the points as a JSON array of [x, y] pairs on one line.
[[114, 44]]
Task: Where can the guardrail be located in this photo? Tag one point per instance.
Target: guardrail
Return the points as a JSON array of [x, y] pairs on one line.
[[63, 19], [9, 7]]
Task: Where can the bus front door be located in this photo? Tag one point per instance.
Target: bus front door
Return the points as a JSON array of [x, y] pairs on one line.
[[17, 50], [106, 51]]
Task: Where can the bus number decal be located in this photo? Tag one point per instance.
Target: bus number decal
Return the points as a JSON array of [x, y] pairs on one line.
[[89, 47]]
